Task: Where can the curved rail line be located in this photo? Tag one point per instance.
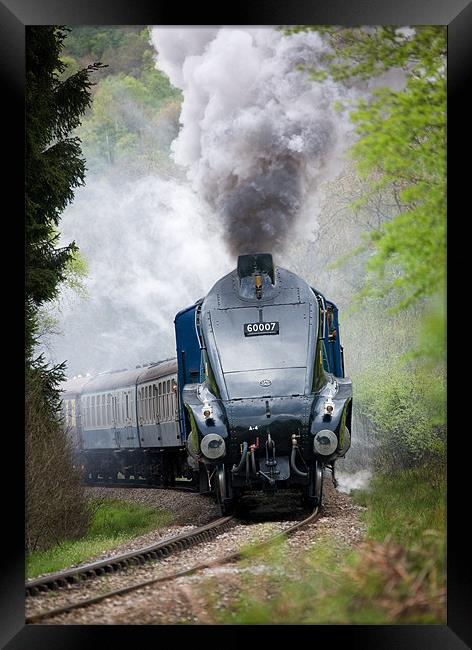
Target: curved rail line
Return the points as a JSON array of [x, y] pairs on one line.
[[204, 565], [142, 485], [161, 549]]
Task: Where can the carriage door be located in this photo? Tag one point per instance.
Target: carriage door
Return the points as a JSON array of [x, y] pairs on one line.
[[156, 415], [129, 439], [116, 418]]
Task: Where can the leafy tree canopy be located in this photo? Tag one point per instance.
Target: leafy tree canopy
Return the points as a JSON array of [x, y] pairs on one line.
[[401, 146], [134, 115]]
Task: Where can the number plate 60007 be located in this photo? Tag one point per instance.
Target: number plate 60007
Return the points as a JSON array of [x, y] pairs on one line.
[[258, 329]]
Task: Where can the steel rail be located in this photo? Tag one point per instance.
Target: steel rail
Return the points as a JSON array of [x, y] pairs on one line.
[[142, 485], [163, 548], [231, 557]]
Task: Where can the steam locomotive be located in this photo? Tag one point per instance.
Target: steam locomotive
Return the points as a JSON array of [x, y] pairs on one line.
[[256, 399]]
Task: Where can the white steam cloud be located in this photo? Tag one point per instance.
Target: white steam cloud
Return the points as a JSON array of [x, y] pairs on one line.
[[152, 250], [257, 139], [358, 481], [258, 135]]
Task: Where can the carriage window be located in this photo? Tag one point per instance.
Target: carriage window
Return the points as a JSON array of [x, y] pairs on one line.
[[118, 409], [152, 406], [99, 410]]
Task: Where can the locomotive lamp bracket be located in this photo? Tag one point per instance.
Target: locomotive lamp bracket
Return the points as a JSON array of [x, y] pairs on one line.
[[207, 411], [328, 406]]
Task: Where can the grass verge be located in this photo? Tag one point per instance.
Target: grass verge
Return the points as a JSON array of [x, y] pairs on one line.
[[397, 575], [112, 523]]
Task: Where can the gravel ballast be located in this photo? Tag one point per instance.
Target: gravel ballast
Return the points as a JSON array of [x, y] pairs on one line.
[[177, 601]]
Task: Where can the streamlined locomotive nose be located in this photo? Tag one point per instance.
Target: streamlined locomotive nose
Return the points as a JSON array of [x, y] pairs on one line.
[[279, 417], [263, 393]]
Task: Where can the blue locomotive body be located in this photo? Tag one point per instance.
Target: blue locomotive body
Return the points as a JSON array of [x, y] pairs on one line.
[[256, 398], [272, 406]]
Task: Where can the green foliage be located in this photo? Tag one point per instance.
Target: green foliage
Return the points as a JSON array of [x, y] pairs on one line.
[[405, 505], [132, 121], [112, 523], [407, 409], [75, 273], [135, 110], [114, 517], [401, 146], [122, 48], [55, 505], [398, 371], [53, 165]]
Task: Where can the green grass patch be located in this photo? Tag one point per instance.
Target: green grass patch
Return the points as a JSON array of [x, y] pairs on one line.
[[404, 505], [112, 523]]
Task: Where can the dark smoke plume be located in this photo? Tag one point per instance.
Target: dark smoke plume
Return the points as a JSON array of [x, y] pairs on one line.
[[257, 134]]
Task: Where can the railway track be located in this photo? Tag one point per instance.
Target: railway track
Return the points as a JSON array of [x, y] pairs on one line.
[[140, 484], [163, 549]]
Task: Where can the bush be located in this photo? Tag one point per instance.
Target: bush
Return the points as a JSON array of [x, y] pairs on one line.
[[55, 500], [406, 408]]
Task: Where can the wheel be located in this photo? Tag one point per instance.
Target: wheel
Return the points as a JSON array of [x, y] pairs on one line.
[[314, 492], [223, 491]]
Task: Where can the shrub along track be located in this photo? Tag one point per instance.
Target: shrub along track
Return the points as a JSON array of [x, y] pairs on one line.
[[160, 550]]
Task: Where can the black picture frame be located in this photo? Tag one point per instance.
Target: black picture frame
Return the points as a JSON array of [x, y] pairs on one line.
[[14, 16]]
